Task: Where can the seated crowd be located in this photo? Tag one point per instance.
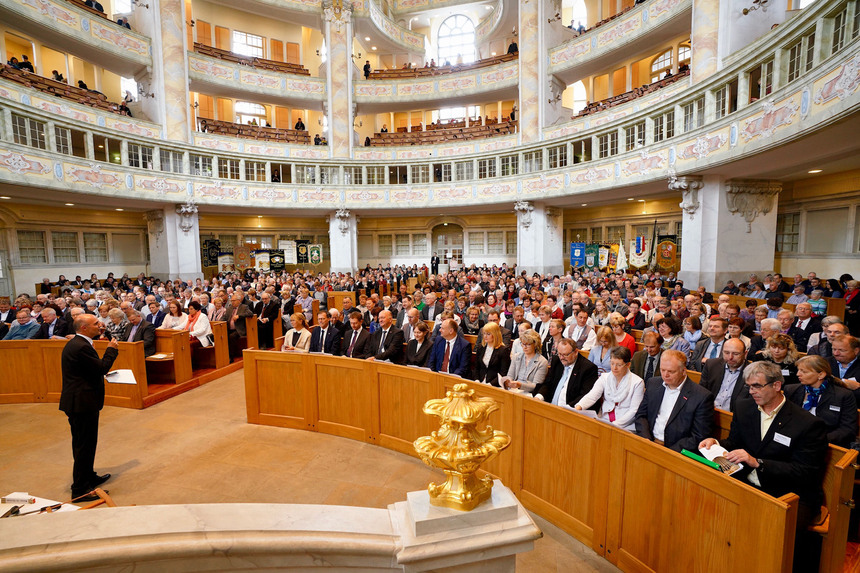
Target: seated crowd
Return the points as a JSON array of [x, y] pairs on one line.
[[668, 79], [443, 132]]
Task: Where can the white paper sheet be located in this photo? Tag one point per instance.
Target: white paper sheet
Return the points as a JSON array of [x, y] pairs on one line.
[[121, 377], [716, 451]]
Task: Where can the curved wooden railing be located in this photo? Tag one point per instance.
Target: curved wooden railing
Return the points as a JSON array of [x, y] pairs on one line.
[[639, 505]]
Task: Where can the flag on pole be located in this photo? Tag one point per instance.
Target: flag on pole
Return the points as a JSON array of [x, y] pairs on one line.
[[622, 259]]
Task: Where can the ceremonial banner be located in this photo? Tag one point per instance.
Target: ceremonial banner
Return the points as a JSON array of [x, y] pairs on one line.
[[276, 260], [639, 249], [612, 258], [622, 259], [603, 256], [211, 250], [242, 258], [302, 252], [591, 257], [225, 263], [261, 260], [315, 254], [289, 248], [667, 252], [577, 255]]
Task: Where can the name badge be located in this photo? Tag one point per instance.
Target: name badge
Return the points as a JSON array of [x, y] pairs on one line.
[[785, 372], [835, 408], [780, 439]]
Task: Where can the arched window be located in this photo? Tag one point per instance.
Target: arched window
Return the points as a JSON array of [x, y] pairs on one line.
[[661, 65], [580, 97], [578, 14], [684, 54], [247, 111], [456, 40]]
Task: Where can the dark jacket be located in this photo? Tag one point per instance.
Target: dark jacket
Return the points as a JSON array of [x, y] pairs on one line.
[[392, 346], [61, 328], [713, 371], [332, 340], [690, 422], [417, 356], [83, 376], [581, 381], [145, 333], [836, 407], [499, 363]]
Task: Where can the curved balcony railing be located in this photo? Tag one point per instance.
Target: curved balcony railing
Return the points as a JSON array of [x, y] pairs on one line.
[[397, 34], [81, 32], [613, 40], [823, 96], [218, 77], [488, 25]]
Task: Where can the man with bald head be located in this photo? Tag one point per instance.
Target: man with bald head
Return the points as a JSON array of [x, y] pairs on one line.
[[387, 342], [82, 398], [723, 377]]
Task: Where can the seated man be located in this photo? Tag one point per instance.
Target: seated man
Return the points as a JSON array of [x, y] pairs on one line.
[[356, 339], [805, 325], [52, 326], [570, 377], [844, 362], [24, 328], [722, 376], [712, 346], [783, 449], [819, 344], [646, 362], [451, 353], [326, 338], [141, 330], [675, 411], [386, 343]]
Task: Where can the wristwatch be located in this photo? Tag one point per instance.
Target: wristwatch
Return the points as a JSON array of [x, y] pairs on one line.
[[760, 463]]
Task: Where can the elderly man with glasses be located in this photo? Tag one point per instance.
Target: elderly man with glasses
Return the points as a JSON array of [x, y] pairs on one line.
[[783, 449]]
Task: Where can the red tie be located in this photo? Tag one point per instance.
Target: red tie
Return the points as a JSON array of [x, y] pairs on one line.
[[447, 356]]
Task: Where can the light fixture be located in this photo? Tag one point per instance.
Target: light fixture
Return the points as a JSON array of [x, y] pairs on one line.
[[641, 200], [585, 204], [555, 18], [373, 48], [756, 4], [4, 197], [492, 53], [101, 146], [630, 198], [70, 204], [119, 209], [139, 3], [367, 38], [356, 56], [815, 171]]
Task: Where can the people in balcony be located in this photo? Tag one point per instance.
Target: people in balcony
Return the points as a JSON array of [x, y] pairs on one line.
[[367, 69], [94, 5], [124, 23], [300, 125], [26, 64], [513, 48], [57, 76]]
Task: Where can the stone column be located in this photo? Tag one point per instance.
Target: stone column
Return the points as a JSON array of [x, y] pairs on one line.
[[174, 242], [343, 241], [539, 238], [705, 39], [729, 229], [337, 28]]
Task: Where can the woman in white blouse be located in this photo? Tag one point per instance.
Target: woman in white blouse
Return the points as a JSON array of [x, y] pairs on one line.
[[621, 390], [298, 338], [175, 319], [197, 325]]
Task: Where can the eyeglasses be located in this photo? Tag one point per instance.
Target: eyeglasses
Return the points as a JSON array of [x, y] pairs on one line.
[[757, 387]]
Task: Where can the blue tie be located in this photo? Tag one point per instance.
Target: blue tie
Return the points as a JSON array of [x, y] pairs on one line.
[[561, 384]]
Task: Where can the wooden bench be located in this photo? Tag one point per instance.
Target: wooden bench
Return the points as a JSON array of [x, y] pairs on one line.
[[335, 299], [215, 356], [175, 367]]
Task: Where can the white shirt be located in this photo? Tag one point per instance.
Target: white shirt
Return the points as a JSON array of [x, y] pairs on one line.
[[560, 398], [488, 354], [801, 324], [766, 422], [85, 337], [670, 397], [723, 400]]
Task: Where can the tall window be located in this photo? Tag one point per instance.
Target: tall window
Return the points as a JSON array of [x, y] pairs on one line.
[[247, 111], [247, 44], [661, 65], [579, 14], [456, 40]]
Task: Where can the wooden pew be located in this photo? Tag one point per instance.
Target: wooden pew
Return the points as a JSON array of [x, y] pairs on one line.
[[335, 299], [129, 357], [315, 310], [278, 327], [175, 368], [215, 356], [251, 334]]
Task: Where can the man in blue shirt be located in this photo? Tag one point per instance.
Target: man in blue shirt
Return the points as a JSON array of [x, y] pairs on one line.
[[24, 327]]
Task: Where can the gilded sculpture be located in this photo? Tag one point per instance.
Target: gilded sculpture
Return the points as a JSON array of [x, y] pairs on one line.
[[459, 447]]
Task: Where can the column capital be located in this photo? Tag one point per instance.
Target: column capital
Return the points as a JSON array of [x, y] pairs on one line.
[[187, 215], [750, 198], [343, 217], [689, 186], [337, 13], [524, 212]]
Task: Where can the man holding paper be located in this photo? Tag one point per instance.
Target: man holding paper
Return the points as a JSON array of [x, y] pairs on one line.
[[82, 398], [783, 449]]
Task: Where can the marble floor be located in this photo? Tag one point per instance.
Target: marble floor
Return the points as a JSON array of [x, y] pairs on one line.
[[198, 448]]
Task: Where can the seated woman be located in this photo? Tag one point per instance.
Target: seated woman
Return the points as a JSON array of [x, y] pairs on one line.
[[617, 324], [492, 357], [600, 316], [528, 369], [103, 317], [216, 309], [635, 317], [621, 390], [119, 325], [197, 325], [780, 350], [516, 346], [669, 328], [736, 327], [306, 303], [822, 396], [419, 347], [699, 311], [692, 330], [549, 348], [175, 319], [601, 352], [473, 323], [298, 338]]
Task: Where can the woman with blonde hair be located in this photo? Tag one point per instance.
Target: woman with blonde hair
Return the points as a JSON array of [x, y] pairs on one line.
[[820, 394], [528, 369], [780, 350], [492, 357], [600, 316], [298, 338], [306, 302], [600, 352], [617, 323]]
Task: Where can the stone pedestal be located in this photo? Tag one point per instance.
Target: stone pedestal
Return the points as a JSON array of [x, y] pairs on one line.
[[729, 229], [343, 241], [539, 238], [174, 242]]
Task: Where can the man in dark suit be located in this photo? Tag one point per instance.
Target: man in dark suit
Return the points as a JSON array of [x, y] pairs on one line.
[[646, 362], [710, 346], [451, 352], [783, 449], [675, 411], [356, 339], [723, 376], [432, 307], [805, 325], [141, 331], [267, 314], [769, 327], [82, 398], [844, 363], [235, 314], [52, 326], [7, 312], [387, 342], [403, 314], [156, 315], [327, 338], [570, 376], [434, 264], [832, 330]]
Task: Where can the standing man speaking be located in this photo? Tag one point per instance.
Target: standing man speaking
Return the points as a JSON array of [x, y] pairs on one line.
[[82, 398]]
